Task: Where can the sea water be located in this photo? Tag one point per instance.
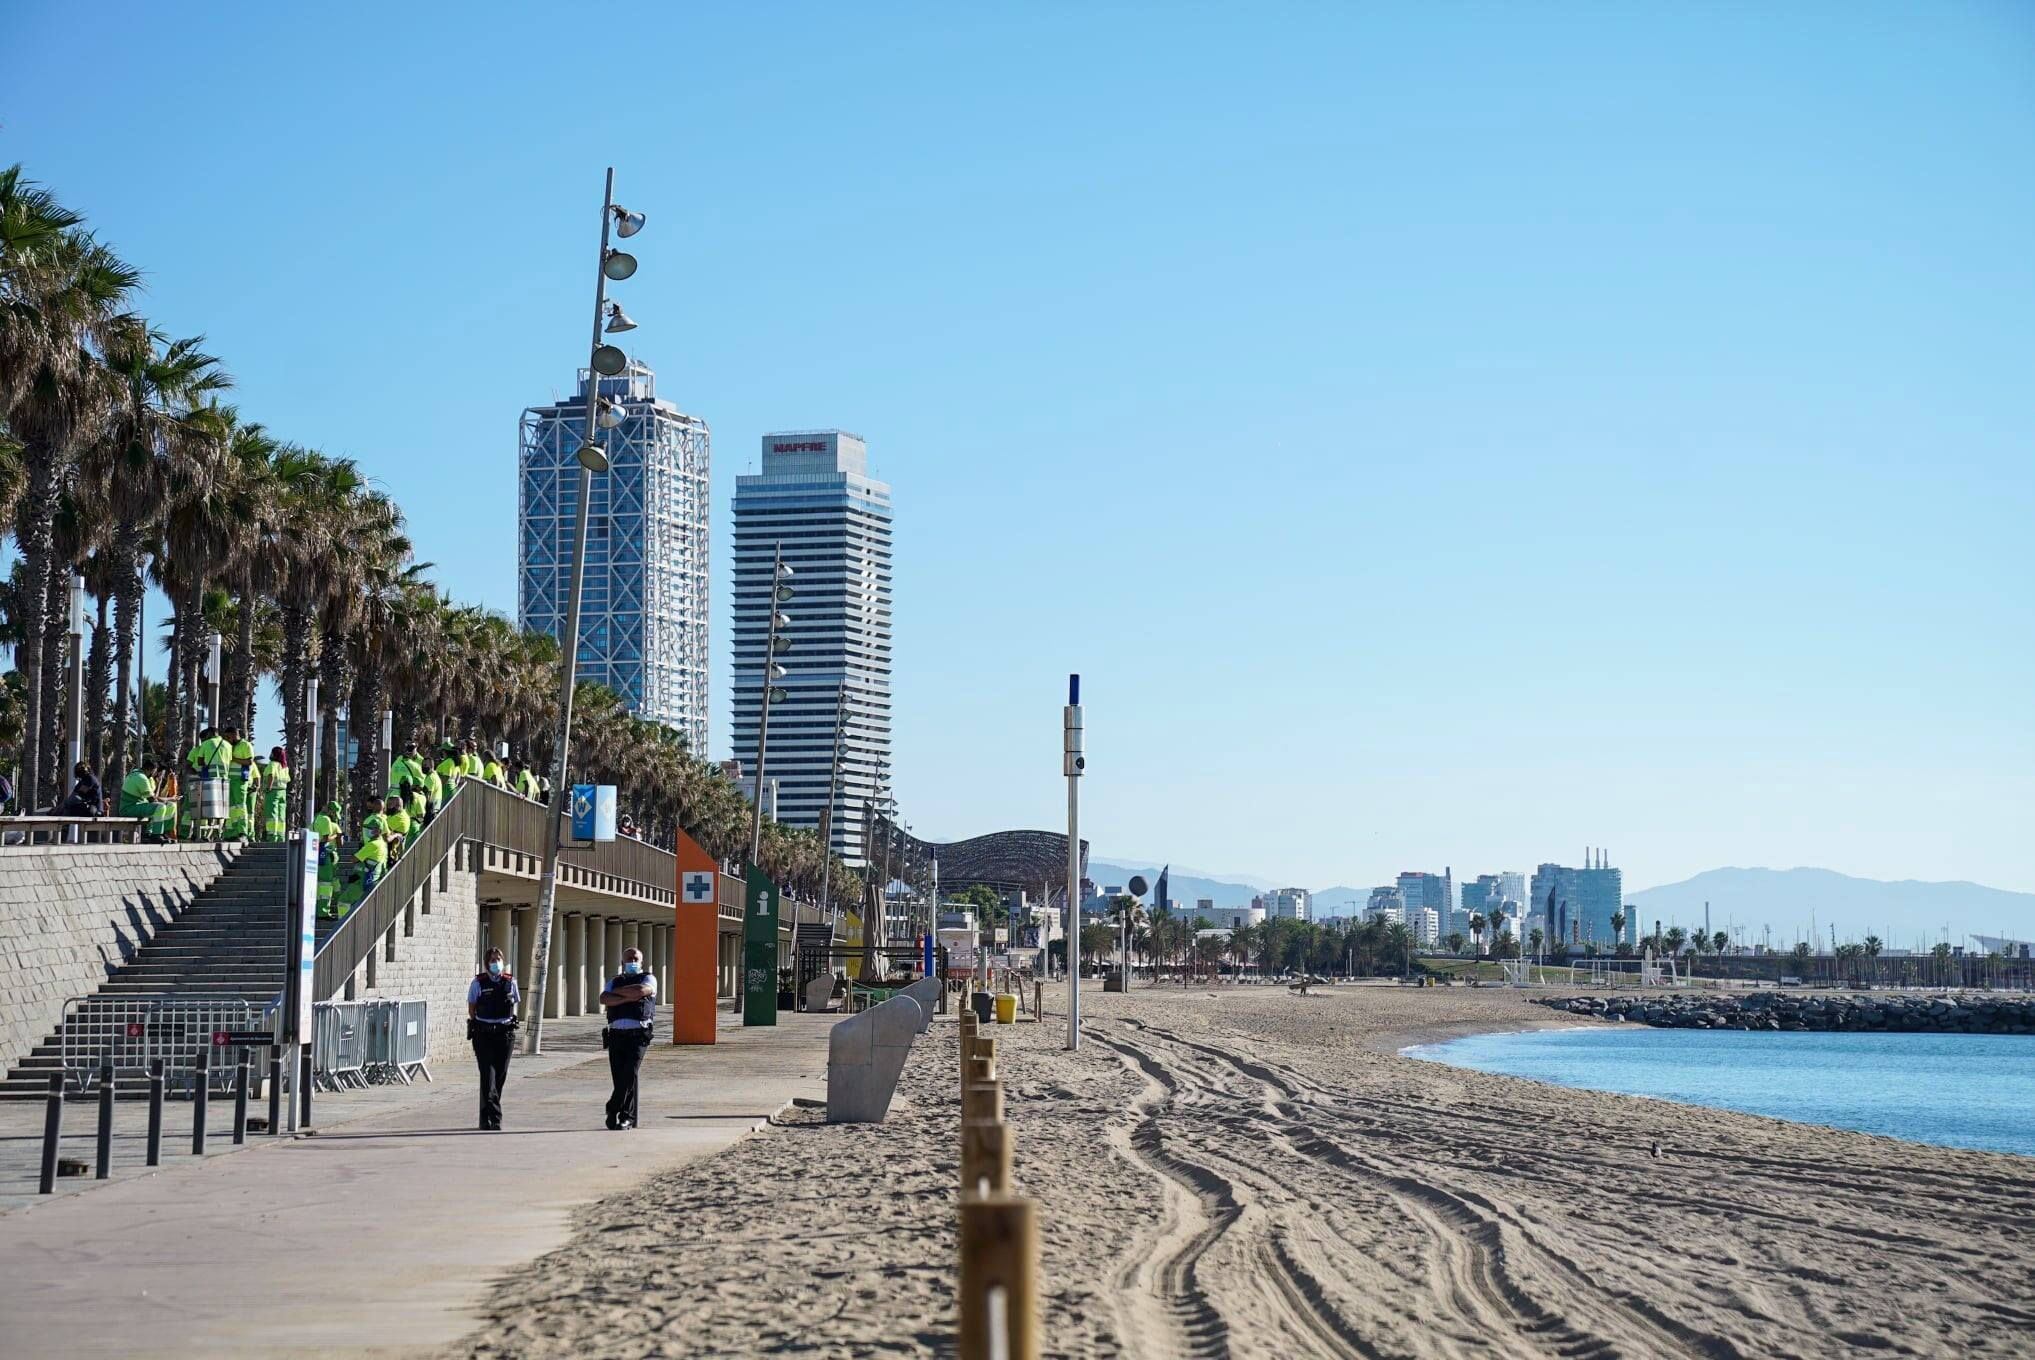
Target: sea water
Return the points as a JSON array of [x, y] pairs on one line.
[[1958, 1090]]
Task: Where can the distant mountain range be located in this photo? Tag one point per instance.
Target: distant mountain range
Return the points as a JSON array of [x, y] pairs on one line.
[[1904, 913], [1901, 913]]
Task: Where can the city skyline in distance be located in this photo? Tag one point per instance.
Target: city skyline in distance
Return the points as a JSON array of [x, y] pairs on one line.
[[1548, 421]]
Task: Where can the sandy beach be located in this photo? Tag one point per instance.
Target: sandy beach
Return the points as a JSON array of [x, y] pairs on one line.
[[1245, 1171]]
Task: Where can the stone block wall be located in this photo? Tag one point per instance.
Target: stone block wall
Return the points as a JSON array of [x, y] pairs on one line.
[[71, 915], [435, 954]]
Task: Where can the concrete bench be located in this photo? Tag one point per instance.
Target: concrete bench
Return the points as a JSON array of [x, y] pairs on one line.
[[52, 830], [820, 993], [865, 1057], [926, 991]]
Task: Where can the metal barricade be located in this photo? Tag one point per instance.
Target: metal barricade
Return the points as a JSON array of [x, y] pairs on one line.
[[100, 1029], [378, 1022], [338, 1046], [131, 1032], [177, 1029], [413, 1038]]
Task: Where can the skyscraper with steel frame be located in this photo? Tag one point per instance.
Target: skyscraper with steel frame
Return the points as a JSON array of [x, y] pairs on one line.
[[814, 496], [643, 608]]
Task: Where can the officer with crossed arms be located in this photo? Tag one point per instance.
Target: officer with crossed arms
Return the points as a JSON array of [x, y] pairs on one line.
[[631, 1003]]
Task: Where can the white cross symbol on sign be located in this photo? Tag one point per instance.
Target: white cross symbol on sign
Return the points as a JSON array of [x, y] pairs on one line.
[[699, 887]]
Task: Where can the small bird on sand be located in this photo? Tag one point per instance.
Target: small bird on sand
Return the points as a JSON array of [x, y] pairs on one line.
[[1656, 1149]]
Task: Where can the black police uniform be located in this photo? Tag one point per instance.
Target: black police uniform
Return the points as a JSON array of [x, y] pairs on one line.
[[625, 1049], [493, 1031]]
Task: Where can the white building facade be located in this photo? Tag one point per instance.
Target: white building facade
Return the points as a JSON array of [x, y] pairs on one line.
[[814, 498], [643, 608]]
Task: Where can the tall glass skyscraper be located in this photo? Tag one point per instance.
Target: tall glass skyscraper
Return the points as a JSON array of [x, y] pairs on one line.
[[815, 497], [643, 607]]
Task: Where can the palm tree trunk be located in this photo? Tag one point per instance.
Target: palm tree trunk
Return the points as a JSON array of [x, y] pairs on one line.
[[55, 679], [296, 669], [98, 675], [36, 534], [332, 692], [242, 707], [190, 637], [173, 690], [364, 722], [126, 599]]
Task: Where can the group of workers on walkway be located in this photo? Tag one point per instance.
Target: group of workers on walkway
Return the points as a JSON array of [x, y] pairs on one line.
[[630, 1001]]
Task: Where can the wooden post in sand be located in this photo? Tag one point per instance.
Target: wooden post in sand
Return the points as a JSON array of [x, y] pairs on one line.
[[981, 1068], [982, 1102], [1038, 1002], [985, 1160], [999, 1300]]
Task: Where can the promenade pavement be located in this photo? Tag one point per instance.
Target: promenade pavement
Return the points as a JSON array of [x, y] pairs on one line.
[[379, 1234]]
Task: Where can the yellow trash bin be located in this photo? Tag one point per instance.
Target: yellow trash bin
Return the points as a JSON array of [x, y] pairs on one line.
[[1006, 1009]]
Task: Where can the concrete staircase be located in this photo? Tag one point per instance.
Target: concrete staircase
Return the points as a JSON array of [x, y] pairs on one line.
[[226, 946]]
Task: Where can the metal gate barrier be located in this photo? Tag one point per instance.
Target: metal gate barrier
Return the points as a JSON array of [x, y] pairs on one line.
[[370, 1043], [131, 1032]]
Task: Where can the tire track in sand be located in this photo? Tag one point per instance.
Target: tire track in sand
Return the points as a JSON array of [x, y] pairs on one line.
[[1294, 1293], [1480, 1247]]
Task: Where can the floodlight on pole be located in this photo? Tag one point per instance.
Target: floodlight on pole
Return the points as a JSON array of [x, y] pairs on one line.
[[605, 361], [618, 320], [612, 414]]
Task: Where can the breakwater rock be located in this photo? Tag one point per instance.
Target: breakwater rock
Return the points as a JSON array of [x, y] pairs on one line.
[[1968, 1013]]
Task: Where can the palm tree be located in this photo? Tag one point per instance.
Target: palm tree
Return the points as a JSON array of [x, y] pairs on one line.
[[1618, 927], [60, 293], [1477, 929], [1718, 942], [1676, 935], [1455, 941], [131, 468]]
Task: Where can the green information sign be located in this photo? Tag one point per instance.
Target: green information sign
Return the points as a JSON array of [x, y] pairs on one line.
[[759, 949]]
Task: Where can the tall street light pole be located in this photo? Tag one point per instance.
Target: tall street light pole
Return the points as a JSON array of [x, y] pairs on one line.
[[1074, 762], [827, 812], [779, 593], [604, 361]]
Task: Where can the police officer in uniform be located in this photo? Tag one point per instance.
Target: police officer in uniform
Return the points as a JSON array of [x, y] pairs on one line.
[[631, 1002], [491, 1003]]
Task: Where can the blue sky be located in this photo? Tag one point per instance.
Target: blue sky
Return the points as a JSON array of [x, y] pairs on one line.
[[1440, 434]]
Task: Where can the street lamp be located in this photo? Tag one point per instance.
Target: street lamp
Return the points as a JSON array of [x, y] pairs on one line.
[[77, 677], [607, 361], [780, 592]]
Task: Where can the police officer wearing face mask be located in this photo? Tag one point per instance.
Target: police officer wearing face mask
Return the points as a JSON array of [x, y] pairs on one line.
[[491, 1003], [631, 1002]]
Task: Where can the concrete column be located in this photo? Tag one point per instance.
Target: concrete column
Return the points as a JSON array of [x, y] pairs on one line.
[[526, 958], [554, 985], [632, 935], [596, 961], [499, 934], [575, 963], [658, 954]]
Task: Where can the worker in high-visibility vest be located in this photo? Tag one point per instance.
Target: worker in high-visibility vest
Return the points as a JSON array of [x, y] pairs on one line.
[[275, 796], [239, 784], [372, 855], [137, 799], [492, 771], [206, 760], [328, 879], [470, 763], [521, 779], [435, 789], [395, 825], [418, 805], [448, 770], [328, 823]]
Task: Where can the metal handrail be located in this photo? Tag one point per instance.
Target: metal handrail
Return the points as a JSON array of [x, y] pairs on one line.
[[492, 816]]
